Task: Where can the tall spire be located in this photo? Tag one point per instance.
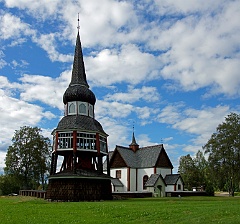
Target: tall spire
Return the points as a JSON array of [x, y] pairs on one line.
[[78, 72], [78, 89]]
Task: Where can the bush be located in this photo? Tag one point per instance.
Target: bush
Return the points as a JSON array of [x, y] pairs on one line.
[[209, 190]]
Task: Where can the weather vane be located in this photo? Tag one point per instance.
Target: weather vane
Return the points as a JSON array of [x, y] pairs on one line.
[[78, 27]]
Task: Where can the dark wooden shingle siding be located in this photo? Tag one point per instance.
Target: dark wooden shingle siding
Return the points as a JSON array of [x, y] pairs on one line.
[[117, 161], [163, 160]]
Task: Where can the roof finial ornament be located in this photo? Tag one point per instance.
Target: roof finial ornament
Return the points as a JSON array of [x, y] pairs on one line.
[[78, 27]]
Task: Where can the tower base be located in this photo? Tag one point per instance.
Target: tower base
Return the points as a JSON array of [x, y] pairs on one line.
[[78, 188]]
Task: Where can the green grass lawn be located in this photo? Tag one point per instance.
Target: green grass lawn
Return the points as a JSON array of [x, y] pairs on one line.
[[150, 210]]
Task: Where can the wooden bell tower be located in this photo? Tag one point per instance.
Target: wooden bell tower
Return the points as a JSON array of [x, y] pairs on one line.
[[79, 144]]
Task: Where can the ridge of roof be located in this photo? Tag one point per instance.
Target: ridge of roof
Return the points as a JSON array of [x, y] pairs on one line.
[[140, 158], [151, 146]]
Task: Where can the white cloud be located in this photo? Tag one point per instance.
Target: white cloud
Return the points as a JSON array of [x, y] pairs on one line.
[[181, 6], [202, 121], [199, 123], [48, 43], [39, 9], [128, 65], [2, 160], [144, 140], [44, 88], [170, 114], [102, 23], [201, 51], [13, 27], [149, 94], [118, 110], [16, 113], [120, 131]]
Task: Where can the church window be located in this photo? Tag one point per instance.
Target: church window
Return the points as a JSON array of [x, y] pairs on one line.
[[72, 108], [118, 174], [145, 179], [82, 109], [90, 110], [179, 187]]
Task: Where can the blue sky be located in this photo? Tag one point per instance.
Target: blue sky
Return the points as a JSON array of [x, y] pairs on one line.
[[169, 67]]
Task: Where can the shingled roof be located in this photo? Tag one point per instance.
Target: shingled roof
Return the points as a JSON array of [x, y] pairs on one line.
[[78, 89], [172, 179], [80, 122], [142, 158], [153, 180], [116, 182]]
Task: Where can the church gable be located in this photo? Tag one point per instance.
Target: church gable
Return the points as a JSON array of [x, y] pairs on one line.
[[117, 160], [163, 160]]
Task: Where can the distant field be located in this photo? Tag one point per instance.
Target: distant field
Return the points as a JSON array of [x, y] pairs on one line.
[[150, 210]]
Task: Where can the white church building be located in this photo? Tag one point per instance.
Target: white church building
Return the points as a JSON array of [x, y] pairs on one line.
[[135, 169]]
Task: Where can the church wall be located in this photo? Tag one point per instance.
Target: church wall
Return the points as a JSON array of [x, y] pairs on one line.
[[123, 178], [164, 171], [179, 182], [141, 174], [132, 179], [169, 188], [158, 189]]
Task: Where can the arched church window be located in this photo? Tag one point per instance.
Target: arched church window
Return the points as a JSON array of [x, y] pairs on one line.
[[145, 179], [90, 110], [82, 108], [71, 108]]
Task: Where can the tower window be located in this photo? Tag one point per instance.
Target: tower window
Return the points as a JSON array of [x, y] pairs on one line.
[[90, 110], [72, 108], [82, 109], [103, 144], [65, 140]]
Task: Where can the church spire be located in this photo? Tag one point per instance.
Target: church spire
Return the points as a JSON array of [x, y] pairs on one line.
[[78, 89], [134, 146], [133, 140], [78, 72]]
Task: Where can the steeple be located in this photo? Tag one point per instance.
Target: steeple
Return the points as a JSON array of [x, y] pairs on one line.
[[134, 146], [133, 140], [78, 71], [78, 89]]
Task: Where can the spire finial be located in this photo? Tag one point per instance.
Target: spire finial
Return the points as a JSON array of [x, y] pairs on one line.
[[78, 27]]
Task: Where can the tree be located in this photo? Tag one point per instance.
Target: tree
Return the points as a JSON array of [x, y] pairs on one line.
[[27, 159], [194, 170], [8, 184], [188, 171], [223, 149]]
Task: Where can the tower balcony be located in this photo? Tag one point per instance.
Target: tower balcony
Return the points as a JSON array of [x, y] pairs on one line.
[[80, 141]]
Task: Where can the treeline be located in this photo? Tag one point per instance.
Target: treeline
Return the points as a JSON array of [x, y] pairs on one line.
[[27, 161], [217, 165]]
